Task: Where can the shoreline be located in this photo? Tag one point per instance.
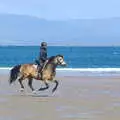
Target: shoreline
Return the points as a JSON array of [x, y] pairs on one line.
[[77, 71]]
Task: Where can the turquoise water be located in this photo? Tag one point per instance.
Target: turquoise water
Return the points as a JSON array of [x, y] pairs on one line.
[[76, 57]]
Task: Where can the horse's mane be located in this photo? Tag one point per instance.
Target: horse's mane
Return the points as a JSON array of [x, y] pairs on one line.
[[53, 57]]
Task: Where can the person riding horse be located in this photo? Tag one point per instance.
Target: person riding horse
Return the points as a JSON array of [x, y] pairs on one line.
[[42, 60], [22, 71]]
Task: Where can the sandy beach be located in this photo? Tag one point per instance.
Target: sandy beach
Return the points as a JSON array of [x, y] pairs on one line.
[[77, 98]]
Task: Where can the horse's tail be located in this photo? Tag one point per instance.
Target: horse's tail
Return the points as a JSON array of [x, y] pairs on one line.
[[14, 72]]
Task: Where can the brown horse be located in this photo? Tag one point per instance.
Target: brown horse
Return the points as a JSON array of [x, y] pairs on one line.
[[30, 71]]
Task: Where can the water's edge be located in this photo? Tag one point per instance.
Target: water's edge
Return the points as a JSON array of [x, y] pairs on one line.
[[77, 71]]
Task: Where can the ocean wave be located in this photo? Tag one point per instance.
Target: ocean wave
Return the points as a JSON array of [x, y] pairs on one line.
[[79, 69], [90, 69]]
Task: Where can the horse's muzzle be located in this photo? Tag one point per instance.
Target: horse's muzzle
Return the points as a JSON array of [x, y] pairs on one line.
[[64, 63]]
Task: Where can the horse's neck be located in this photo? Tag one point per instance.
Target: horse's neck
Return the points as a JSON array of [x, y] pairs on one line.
[[51, 67]]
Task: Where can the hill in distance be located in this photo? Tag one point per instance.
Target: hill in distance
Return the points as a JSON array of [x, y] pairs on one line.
[[29, 30]]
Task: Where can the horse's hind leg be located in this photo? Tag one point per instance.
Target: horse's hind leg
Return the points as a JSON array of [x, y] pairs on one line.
[[56, 82], [30, 83], [20, 81], [46, 87]]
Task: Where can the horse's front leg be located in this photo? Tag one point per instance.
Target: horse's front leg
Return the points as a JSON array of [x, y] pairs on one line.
[[56, 82], [46, 86]]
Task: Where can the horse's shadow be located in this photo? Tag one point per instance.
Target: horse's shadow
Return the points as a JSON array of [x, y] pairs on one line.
[[41, 94]]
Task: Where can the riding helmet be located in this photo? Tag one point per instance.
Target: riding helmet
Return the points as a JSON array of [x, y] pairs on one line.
[[43, 44]]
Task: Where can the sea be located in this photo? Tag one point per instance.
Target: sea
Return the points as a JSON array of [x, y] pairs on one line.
[[88, 61]]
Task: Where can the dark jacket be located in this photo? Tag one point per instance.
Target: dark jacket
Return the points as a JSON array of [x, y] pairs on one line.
[[42, 56]]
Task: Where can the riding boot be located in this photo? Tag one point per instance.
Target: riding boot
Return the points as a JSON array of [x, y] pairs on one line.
[[39, 75], [39, 72]]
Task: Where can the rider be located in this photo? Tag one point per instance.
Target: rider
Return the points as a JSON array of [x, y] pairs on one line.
[[41, 62]]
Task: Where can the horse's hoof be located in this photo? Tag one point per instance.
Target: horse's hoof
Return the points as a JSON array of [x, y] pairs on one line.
[[34, 92], [21, 89]]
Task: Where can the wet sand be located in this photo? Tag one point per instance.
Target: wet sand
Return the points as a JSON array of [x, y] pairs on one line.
[[77, 98]]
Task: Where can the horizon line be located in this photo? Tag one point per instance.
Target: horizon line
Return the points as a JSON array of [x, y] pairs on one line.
[[93, 18], [61, 45]]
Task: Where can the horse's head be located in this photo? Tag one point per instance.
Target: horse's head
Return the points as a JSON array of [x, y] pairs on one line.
[[59, 60], [53, 62]]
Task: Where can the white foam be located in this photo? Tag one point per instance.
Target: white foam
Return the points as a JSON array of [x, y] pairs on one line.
[[90, 69], [79, 69], [5, 68]]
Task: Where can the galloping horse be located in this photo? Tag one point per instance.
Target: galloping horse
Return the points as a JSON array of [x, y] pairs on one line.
[[29, 71]]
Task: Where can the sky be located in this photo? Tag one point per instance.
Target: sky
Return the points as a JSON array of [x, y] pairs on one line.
[[62, 9]]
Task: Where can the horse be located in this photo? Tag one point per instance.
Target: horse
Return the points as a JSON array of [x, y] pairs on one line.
[[30, 71]]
